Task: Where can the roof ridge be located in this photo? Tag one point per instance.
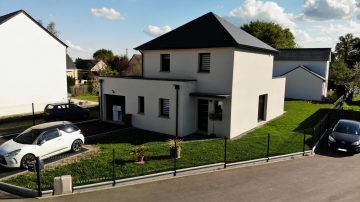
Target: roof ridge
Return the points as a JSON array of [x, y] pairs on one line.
[[299, 48], [15, 13]]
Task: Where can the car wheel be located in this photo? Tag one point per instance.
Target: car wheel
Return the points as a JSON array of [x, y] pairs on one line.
[[58, 119], [26, 160], [86, 116], [76, 145]]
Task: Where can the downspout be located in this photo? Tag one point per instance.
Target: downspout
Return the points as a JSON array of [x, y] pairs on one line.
[[177, 108], [101, 99]]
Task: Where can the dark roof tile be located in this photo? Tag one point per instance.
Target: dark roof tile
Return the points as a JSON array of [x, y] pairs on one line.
[[207, 31], [69, 63], [304, 54]]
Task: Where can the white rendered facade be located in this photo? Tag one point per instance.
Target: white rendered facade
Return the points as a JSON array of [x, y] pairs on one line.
[[239, 73], [307, 92], [33, 67]]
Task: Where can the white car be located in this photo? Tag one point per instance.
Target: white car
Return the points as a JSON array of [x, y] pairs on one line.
[[44, 140]]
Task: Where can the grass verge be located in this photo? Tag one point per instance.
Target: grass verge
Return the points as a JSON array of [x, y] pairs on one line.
[[87, 97], [353, 105], [284, 139]]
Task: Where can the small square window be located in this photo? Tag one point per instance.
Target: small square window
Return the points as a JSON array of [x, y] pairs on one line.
[[141, 104], [204, 62], [218, 109], [165, 62], [164, 107]]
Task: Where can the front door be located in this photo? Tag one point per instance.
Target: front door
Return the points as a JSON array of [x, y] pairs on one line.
[[203, 108]]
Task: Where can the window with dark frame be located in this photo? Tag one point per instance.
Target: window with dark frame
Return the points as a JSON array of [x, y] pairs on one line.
[[262, 107], [165, 62], [204, 62], [218, 109], [141, 104], [164, 107]]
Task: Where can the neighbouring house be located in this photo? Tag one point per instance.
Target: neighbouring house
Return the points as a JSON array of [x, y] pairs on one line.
[[134, 62], [207, 65], [306, 71], [90, 65], [33, 65], [71, 69]]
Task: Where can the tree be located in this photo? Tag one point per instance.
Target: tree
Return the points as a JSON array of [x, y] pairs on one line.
[[270, 33], [136, 70], [103, 55], [344, 49], [50, 27], [339, 70], [107, 71], [120, 64], [77, 60]]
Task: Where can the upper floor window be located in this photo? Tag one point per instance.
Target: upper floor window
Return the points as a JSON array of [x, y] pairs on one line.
[[165, 62], [204, 62]]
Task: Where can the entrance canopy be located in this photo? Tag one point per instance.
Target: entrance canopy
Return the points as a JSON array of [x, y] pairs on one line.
[[210, 95]]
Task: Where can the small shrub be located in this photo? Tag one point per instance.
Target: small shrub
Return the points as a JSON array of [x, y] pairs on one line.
[[139, 151]]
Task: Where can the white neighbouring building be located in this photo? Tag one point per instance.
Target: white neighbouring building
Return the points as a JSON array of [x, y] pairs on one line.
[[33, 65], [306, 71], [217, 67]]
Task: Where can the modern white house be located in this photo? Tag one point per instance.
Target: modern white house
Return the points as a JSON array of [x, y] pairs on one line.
[[306, 71], [33, 65], [207, 65]]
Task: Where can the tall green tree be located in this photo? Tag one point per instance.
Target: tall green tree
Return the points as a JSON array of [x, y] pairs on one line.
[[50, 27], [344, 48], [339, 70], [103, 55], [270, 33]]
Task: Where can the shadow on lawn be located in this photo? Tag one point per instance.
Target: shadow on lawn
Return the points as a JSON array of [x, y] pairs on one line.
[[312, 120]]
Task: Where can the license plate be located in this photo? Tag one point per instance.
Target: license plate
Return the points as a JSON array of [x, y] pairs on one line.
[[344, 150]]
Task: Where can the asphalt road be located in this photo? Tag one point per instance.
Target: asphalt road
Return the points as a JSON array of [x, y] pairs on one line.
[[328, 176]]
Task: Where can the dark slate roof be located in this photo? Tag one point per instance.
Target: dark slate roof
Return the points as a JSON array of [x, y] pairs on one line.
[[308, 70], [85, 64], [9, 16], [69, 63], [207, 31], [309, 54]]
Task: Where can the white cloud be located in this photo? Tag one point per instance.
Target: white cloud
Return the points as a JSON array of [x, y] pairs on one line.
[[341, 29], [263, 11], [328, 10], [304, 38], [76, 51], [154, 31], [218, 6], [108, 13], [51, 15]]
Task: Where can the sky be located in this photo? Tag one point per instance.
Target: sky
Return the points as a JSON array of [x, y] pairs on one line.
[[88, 25]]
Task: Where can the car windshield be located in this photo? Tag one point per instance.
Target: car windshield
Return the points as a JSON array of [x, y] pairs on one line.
[[347, 128], [28, 136], [50, 107]]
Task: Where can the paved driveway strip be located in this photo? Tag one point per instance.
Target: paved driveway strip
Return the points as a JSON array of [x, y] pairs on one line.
[[328, 176]]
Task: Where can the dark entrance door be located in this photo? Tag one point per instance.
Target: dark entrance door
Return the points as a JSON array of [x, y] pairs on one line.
[[203, 108], [114, 100], [261, 111]]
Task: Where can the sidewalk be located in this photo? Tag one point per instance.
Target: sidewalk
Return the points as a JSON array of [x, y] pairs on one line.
[[328, 176]]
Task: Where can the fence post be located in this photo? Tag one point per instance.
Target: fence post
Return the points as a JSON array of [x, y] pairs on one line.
[[33, 114], [304, 142], [268, 146], [175, 153], [225, 152], [38, 174], [114, 174]]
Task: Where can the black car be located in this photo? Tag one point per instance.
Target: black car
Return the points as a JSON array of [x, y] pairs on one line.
[[62, 111], [345, 136]]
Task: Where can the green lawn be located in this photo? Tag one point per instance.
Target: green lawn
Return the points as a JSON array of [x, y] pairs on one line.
[[353, 105], [87, 96], [284, 139]]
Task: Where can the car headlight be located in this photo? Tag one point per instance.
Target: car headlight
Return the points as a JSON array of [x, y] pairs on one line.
[[356, 143], [331, 139], [13, 153]]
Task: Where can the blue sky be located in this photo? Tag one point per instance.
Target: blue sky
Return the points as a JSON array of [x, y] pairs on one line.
[[87, 25]]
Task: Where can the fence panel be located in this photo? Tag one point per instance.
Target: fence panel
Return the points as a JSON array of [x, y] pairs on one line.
[[78, 90], [247, 148]]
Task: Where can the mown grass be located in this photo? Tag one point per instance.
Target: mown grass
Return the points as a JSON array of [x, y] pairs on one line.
[[353, 105], [284, 139], [87, 97]]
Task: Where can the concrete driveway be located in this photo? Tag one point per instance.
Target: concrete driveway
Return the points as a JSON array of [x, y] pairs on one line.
[[328, 176]]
